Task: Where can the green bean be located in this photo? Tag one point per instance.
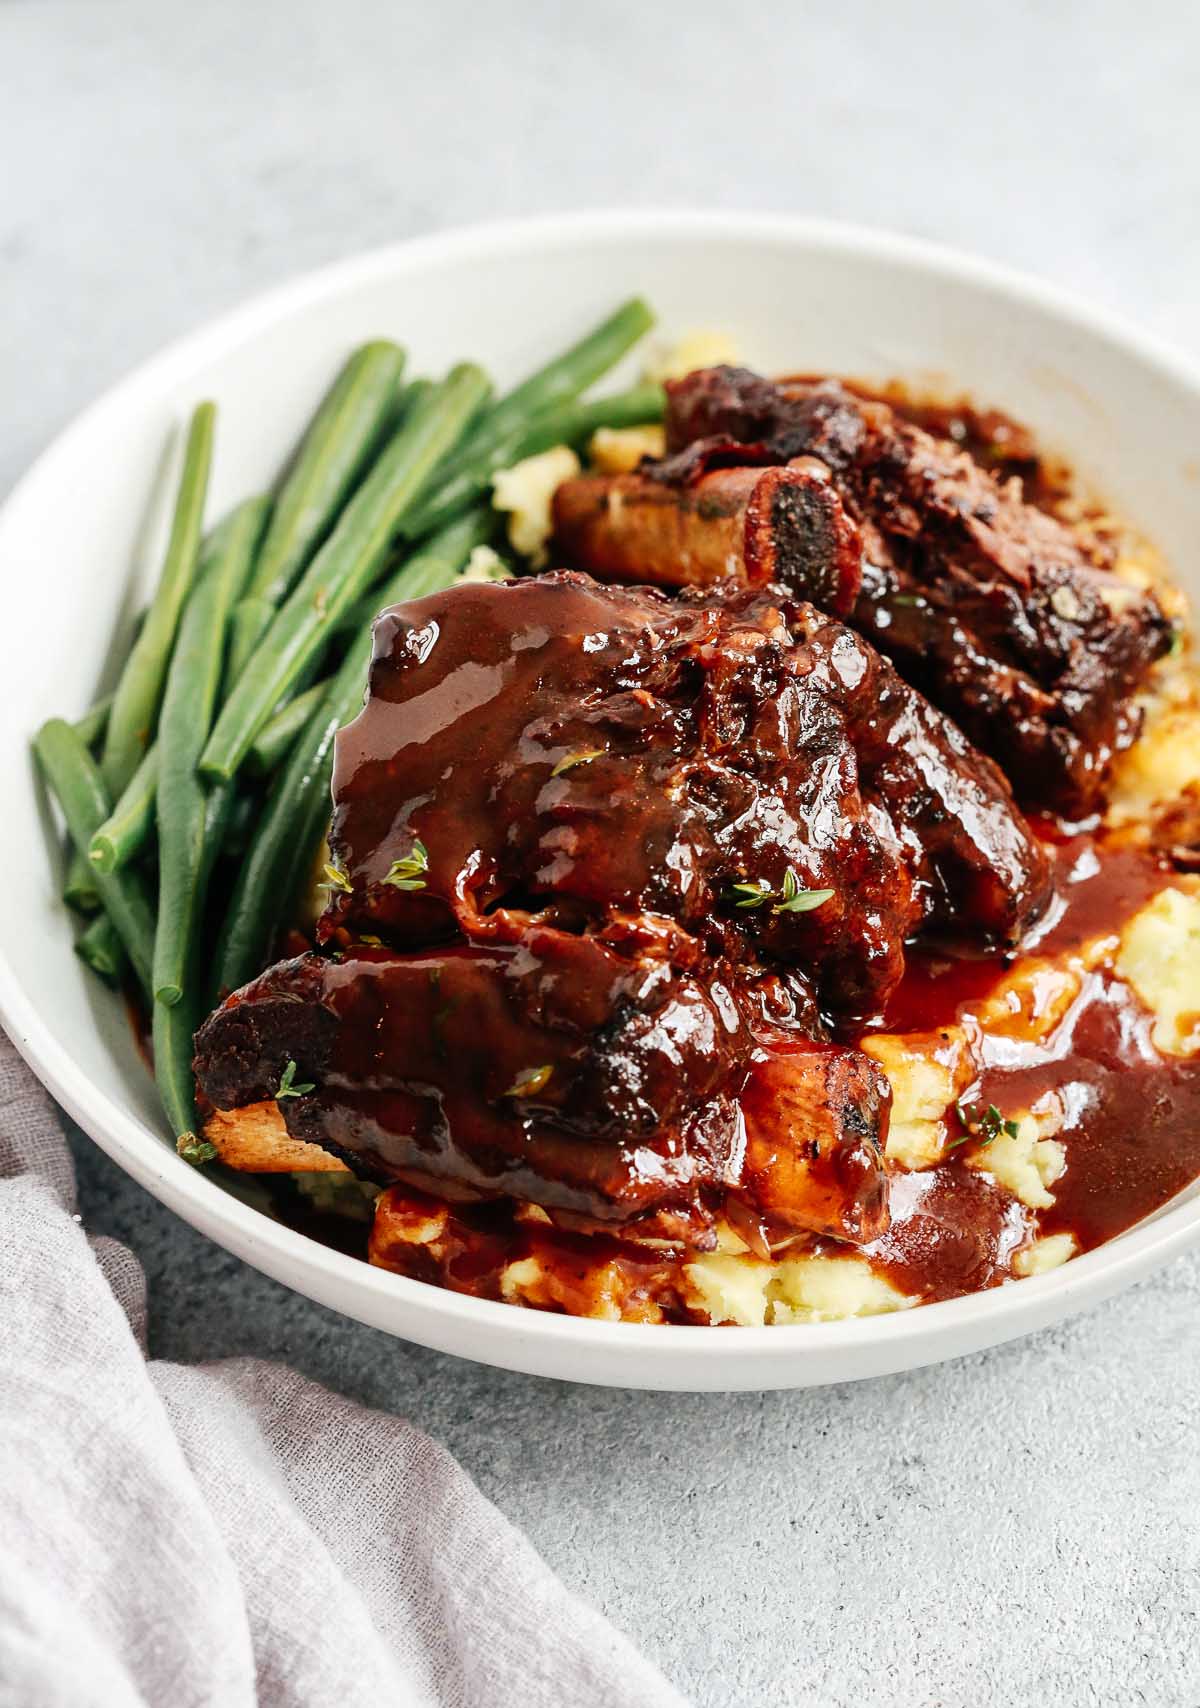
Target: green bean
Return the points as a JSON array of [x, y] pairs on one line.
[[273, 740], [173, 1027], [245, 811], [79, 890], [336, 449], [76, 780], [135, 704], [239, 535], [91, 726], [174, 1023], [570, 425], [346, 563], [562, 380], [127, 829], [297, 808], [100, 948], [124, 832], [249, 623], [254, 614], [183, 802], [343, 437]]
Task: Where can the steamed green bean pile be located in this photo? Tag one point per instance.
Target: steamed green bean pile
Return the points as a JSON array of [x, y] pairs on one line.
[[196, 794]]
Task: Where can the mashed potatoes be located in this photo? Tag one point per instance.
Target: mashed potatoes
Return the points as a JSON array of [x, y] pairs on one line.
[[1160, 957], [703, 348], [526, 492], [1045, 1254], [809, 1289], [928, 1074], [1026, 1163]]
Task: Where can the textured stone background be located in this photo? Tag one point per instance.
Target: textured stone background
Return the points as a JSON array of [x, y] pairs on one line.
[[1018, 1527]]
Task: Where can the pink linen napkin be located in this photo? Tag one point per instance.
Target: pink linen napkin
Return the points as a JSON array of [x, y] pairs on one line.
[[233, 1533]]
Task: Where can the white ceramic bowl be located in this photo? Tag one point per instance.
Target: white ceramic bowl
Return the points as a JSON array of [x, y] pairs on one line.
[[795, 295]]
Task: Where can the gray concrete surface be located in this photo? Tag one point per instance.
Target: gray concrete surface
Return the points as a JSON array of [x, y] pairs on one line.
[[1019, 1527]]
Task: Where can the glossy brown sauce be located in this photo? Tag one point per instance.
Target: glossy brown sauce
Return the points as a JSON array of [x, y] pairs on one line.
[[1131, 1128], [953, 1231], [1097, 887]]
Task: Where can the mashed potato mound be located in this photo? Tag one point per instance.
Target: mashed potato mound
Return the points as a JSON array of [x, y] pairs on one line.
[[1027, 1162], [485, 565], [609, 1296], [1045, 1254], [619, 450], [526, 491], [1164, 762], [1160, 957], [703, 348], [928, 1073], [813, 1288]]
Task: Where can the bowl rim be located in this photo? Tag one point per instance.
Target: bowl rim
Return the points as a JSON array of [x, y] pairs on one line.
[[993, 1315]]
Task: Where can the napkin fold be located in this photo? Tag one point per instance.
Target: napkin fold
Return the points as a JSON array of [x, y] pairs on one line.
[[233, 1533]]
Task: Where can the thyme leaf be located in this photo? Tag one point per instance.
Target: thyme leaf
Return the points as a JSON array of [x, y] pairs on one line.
[[336, 879], [405, 874], [288, 1086], [985, 1128], [789, 898], [571, 759], [530, 1081], [753, 893], [793, 899]]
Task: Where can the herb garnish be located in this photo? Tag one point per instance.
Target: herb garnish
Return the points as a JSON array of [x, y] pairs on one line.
[[753, 892], [336, 879], [982, 1129], [529, 1082], [790, 899], [288, 1086], [406, 874], [566, 763], [194, 1150]]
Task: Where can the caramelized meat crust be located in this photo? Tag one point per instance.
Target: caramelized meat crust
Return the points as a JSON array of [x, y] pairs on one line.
[[603, 1088], [603, 759], [747, 525], [986, 603]]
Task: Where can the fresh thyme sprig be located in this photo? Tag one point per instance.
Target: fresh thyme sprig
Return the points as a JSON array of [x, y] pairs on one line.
[[288, 1086], [405, 874], [982, 1129], [790, 898]]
